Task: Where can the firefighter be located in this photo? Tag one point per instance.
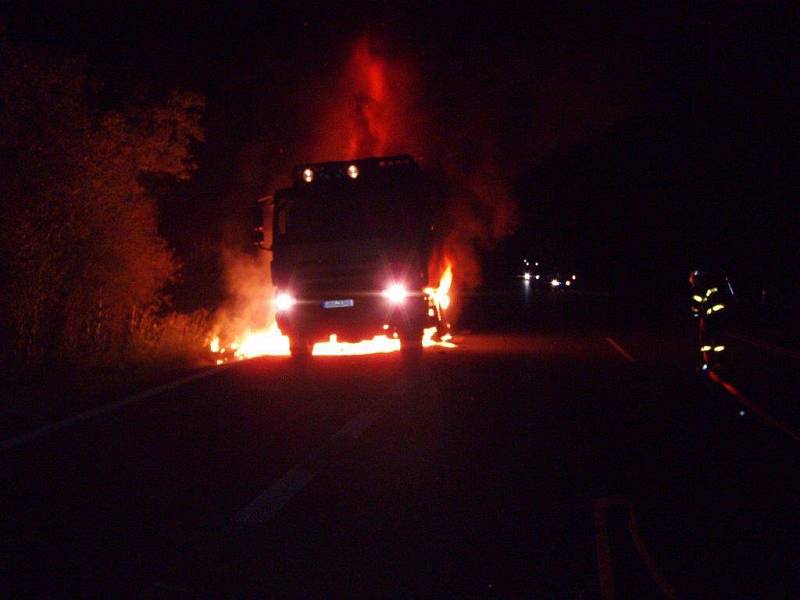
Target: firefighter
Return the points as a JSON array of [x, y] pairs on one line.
[[710, 297]]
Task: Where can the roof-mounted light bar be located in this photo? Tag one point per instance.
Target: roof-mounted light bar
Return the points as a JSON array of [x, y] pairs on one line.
[[350, 170]]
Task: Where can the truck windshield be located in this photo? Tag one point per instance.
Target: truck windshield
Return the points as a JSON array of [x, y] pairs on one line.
[[349, 213]]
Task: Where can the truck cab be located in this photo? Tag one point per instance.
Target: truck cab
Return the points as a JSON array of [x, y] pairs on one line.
[[351, 245]]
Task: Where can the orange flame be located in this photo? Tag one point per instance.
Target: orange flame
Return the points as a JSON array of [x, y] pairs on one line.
[[441, 294], [378, 344], [441, 298], [265, 342]]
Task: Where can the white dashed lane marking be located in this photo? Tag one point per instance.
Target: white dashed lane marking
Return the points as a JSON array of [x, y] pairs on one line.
[[268, 504], [355, 427], [624, 353]]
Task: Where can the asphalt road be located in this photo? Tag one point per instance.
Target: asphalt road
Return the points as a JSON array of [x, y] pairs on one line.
[[565, 449]]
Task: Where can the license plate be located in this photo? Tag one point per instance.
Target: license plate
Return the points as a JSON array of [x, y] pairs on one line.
[[337, 303]]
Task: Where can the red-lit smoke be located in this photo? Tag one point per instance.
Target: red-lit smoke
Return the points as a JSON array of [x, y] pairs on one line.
[[479, 211], [377, 106], [371, 110], [370, 130]]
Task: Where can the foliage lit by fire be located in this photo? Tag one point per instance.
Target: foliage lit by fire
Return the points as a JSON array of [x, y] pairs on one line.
[[84, 264]]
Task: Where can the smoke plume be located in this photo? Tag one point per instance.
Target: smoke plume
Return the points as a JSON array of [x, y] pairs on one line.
[[381, 104], [373, 108], [248, 287], [378, 103]]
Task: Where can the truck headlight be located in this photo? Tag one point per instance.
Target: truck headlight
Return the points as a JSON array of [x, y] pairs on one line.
[[284, 301], [395, 293]]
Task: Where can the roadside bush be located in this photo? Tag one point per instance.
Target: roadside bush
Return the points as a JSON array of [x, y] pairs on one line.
[[82, 265], [171, 339]]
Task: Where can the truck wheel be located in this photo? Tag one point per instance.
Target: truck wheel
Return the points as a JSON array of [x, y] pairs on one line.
[[411, 341], [300, 347]]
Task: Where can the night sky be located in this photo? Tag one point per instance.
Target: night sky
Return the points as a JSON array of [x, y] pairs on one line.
[[638, 144]]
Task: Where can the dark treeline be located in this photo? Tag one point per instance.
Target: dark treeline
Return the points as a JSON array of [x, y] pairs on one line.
[[84, 268]]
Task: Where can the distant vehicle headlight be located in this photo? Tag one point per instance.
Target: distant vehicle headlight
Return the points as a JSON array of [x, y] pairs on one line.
[[308, 175], [396, 293], [555, 283], [527, 276], [352, 171], [284, 301]]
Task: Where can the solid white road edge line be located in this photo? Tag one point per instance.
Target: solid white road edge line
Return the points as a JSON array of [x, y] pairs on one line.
[[621, 350], [45, 430]]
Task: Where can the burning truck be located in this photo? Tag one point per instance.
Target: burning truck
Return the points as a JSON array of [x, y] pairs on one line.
[[352, 247]]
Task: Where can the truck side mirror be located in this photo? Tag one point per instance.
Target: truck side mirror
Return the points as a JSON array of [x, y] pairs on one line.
[[282, 221], [259, 221], [258, 225]]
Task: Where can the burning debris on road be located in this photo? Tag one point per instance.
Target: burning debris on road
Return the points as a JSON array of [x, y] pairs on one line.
[[270, 341]]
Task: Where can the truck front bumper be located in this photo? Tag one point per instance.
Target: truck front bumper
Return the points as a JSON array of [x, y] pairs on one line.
[[353, 319]]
